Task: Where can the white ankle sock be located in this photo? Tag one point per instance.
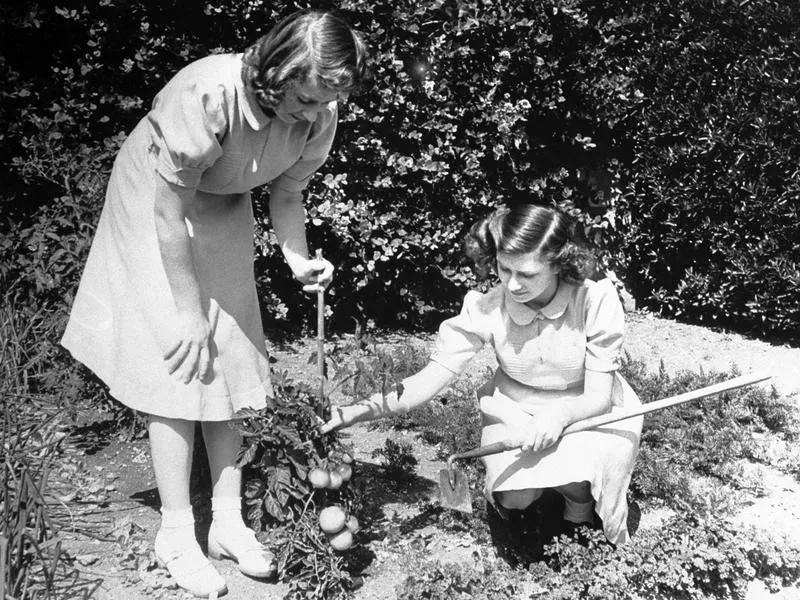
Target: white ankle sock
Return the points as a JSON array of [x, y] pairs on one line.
[[177, 525], [578, 512], [175, 519], [227, 510]]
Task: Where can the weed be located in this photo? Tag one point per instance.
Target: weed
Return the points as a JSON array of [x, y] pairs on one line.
[[490, 580], [708, 439], [362, 367], [32, 560], [398, 459], [776, 561]]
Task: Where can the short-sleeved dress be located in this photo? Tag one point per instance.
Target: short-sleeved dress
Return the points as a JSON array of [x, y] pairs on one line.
[[205, 131], [543, 356]]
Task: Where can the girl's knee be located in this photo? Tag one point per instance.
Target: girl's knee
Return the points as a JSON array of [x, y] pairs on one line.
[[518, 499], [579, 491]]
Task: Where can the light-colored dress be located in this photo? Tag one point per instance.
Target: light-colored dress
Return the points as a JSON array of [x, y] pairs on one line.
[[205, 131], [543, 356]]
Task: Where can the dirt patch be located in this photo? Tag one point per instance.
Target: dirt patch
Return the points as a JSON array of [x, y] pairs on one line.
[[689, 347], [129, 504]]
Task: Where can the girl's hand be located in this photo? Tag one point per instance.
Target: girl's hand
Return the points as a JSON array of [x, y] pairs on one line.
[[314, 273], [189, 355], [545, 428], [344, 416]]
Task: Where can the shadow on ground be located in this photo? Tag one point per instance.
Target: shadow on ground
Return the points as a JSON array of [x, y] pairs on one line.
[[377, 489], [93, 437]]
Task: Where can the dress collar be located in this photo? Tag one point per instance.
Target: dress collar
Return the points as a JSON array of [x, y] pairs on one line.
[[522, 314], [256, 117]]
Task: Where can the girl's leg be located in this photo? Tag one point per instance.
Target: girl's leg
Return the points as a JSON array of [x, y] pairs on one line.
[[577, 491], [229, 537], [578, 502], [171, 445], [518, 499], [222, 444]]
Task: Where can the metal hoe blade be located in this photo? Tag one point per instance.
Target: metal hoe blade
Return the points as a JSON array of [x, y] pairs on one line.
[[454, 490]]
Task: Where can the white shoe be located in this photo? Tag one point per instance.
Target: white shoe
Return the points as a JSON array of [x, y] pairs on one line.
[[239, 543], [189, 567]]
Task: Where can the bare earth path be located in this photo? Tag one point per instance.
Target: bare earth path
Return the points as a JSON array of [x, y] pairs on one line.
[[123, 470]]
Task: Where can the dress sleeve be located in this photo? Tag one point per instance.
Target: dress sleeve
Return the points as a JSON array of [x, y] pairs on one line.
[[461, 337], [315, 152], [605, 324], [189, 123]]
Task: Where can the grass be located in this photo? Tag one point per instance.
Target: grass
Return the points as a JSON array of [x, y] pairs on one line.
[[32, 561]]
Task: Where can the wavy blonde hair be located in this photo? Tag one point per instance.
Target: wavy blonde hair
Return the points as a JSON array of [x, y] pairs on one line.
[[307, 45]]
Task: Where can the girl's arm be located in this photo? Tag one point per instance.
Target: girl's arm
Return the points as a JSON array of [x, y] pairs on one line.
[[595, 400], [288, 220], [417, 390], [188, 355], [548, 423]]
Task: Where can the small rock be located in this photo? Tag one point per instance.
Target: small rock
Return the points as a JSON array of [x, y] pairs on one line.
[[87, 559], [68, 497], [426, 531]]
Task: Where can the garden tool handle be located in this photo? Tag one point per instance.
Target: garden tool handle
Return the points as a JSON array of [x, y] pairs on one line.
[[321, 337], [605, 419], [494, 448], [635, 411]]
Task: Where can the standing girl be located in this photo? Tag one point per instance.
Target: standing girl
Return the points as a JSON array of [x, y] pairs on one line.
[[166, 312], [557, 338]]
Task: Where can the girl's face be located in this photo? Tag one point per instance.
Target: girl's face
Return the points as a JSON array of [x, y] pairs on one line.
[[303, 101], [529, 278]]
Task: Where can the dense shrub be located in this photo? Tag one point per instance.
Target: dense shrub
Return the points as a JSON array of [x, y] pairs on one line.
[[687, 107], [457, 121], [712, 199]]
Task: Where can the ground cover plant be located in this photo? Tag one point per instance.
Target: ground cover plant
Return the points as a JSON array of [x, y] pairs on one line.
[[696, 459], [689, 558]]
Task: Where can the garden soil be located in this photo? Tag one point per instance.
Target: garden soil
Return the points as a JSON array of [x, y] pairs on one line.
[[120, 491]]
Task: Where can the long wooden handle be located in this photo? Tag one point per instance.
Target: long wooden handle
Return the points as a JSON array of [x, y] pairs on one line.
[[605, 419], [494, 448], [635, 411], [321, 336]]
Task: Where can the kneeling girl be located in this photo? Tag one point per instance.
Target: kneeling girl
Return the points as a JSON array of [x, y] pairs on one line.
[[557, 337]]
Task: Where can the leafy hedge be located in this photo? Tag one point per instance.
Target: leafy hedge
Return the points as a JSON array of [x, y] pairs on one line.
[[712, 200], [665, 130]]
